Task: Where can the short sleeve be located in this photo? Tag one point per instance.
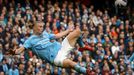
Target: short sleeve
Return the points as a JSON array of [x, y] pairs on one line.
[[27, 44], [50, 36]]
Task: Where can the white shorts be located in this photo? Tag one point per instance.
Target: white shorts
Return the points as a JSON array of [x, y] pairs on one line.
[[63, 53]]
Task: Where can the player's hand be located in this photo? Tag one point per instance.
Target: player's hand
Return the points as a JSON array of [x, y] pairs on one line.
[[16, 51], [12, 52]]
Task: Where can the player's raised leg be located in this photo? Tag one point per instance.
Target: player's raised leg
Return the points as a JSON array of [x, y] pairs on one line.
[[72, 39]]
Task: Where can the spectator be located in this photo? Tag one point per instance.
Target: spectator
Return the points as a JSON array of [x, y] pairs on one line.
[[115, 48], [13, 70], [1, 53]]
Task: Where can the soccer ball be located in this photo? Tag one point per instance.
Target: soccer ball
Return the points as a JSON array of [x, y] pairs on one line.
[[120, 2]]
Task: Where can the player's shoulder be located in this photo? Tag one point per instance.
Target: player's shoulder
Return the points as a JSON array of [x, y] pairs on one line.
[[44, 32], [32, 37]]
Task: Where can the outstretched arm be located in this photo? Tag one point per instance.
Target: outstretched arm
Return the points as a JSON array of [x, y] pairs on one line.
[[19, 50]]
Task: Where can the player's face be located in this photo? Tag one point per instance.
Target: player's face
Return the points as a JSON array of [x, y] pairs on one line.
[[38, 28]]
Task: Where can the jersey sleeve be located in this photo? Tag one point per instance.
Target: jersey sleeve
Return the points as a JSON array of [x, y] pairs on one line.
[[27, 44], [50, 36]]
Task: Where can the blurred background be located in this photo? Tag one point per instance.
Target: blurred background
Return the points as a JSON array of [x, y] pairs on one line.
[[107, 28]]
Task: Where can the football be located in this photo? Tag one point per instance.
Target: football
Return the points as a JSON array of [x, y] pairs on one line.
[[120, 2]]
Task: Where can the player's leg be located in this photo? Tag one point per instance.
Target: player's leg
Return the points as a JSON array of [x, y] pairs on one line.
[[83, 46], [67, 63], [67, 45], [76, 36], [73, 36]]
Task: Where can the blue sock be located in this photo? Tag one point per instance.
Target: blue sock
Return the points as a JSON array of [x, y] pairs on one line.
[[80, 41], [80, 69]]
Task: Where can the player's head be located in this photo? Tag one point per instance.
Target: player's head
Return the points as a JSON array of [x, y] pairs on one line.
[[38, 27]]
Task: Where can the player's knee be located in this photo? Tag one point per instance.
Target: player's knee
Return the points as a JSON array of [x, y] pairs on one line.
[[78, 31]]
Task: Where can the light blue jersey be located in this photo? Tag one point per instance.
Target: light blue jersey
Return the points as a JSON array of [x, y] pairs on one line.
[[42, 46]]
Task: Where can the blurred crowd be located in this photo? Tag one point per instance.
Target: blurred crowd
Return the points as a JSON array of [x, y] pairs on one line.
[[111, 37]]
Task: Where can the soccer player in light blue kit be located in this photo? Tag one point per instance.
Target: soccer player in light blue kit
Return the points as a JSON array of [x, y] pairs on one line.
[[53, 52]]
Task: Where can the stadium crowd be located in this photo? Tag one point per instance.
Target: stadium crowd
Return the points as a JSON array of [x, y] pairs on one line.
[[110, 36]]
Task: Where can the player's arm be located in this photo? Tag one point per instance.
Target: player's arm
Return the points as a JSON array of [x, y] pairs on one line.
[[19, 50], [26, 45]]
